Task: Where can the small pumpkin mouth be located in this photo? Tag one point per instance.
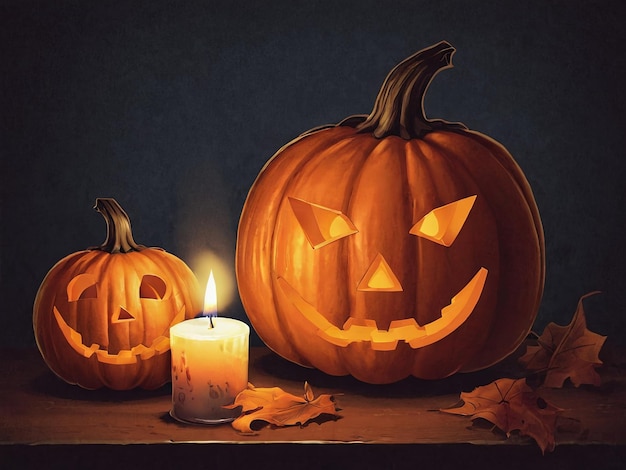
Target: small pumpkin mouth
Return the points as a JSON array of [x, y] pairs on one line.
[[160, 345], [408, 330]]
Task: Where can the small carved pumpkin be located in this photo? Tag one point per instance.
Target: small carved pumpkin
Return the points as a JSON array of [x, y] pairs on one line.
[[102, 316], [392, 245]]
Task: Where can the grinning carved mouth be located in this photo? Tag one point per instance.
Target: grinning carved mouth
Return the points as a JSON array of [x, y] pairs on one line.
[[160, 345], [356, 330]]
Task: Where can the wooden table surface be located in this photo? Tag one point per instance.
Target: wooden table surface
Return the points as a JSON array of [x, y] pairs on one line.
[[43, 417]]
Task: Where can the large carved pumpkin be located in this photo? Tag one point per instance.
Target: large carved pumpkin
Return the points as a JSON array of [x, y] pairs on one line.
[[391, 245], [102, 316]]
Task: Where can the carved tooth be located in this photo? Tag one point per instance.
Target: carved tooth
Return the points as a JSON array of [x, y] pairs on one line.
[[125, 356], [161, 344], [143, 352]]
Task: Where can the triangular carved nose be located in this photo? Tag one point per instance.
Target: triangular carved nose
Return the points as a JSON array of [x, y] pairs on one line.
[[379, 277], [122, 315]]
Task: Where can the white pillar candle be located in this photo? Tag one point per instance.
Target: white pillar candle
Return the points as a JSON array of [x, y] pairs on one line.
[[209, 368]]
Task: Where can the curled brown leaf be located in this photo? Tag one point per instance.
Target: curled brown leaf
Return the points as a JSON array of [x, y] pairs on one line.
[[511, 405], [566, 352], [279, 408]]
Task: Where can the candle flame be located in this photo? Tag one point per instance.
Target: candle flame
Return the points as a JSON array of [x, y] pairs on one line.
[[210, 298]]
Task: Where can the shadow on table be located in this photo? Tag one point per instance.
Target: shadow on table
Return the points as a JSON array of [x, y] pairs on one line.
[[48, 384], [272, 365]]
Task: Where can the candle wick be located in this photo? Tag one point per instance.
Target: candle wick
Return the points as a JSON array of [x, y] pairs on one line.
[[211, 321]]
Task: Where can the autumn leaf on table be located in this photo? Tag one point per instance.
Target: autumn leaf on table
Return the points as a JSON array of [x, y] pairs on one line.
[[511, 405], [277, 407], [564, 352]]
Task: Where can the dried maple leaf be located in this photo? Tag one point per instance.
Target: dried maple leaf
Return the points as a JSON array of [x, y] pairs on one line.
[[511, 405], [564, 352], [277, 407]]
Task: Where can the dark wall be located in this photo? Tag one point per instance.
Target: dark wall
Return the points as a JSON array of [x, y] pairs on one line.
[[173, 108]]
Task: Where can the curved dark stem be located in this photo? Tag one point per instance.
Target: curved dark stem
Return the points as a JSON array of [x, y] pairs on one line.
[[399, 106], [119, 234]]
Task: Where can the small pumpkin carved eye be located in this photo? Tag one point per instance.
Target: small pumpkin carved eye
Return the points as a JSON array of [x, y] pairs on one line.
[[82, 287], [152, 287], [320, 224], [443, 224]]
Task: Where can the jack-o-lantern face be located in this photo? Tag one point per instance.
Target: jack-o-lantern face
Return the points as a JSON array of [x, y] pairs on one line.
[[102, 316], [390, 245], [442, 225], [130, 324]]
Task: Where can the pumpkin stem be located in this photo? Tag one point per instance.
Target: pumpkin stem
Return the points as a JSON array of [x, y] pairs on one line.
[[119, 234], [399, 106]]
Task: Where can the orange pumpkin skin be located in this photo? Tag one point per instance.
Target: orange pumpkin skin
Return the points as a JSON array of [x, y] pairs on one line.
[[384, 185], [102, 319]]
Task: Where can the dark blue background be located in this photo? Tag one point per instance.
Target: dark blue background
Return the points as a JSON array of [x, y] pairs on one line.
[[173, 107]]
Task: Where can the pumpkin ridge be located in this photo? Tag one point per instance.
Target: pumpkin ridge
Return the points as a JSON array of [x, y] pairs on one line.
[[92, 261], [362, 189], [494, 151], [273, 327], [516, 171], [436, 181], [109, 286], [425, 170], [490, 154], [313, 159], [463, 183], [165, 263]]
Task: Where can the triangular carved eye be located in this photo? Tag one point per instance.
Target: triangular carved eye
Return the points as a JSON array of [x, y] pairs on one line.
[[443, 224], [82, 287], [320, 224], [152, 287]]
